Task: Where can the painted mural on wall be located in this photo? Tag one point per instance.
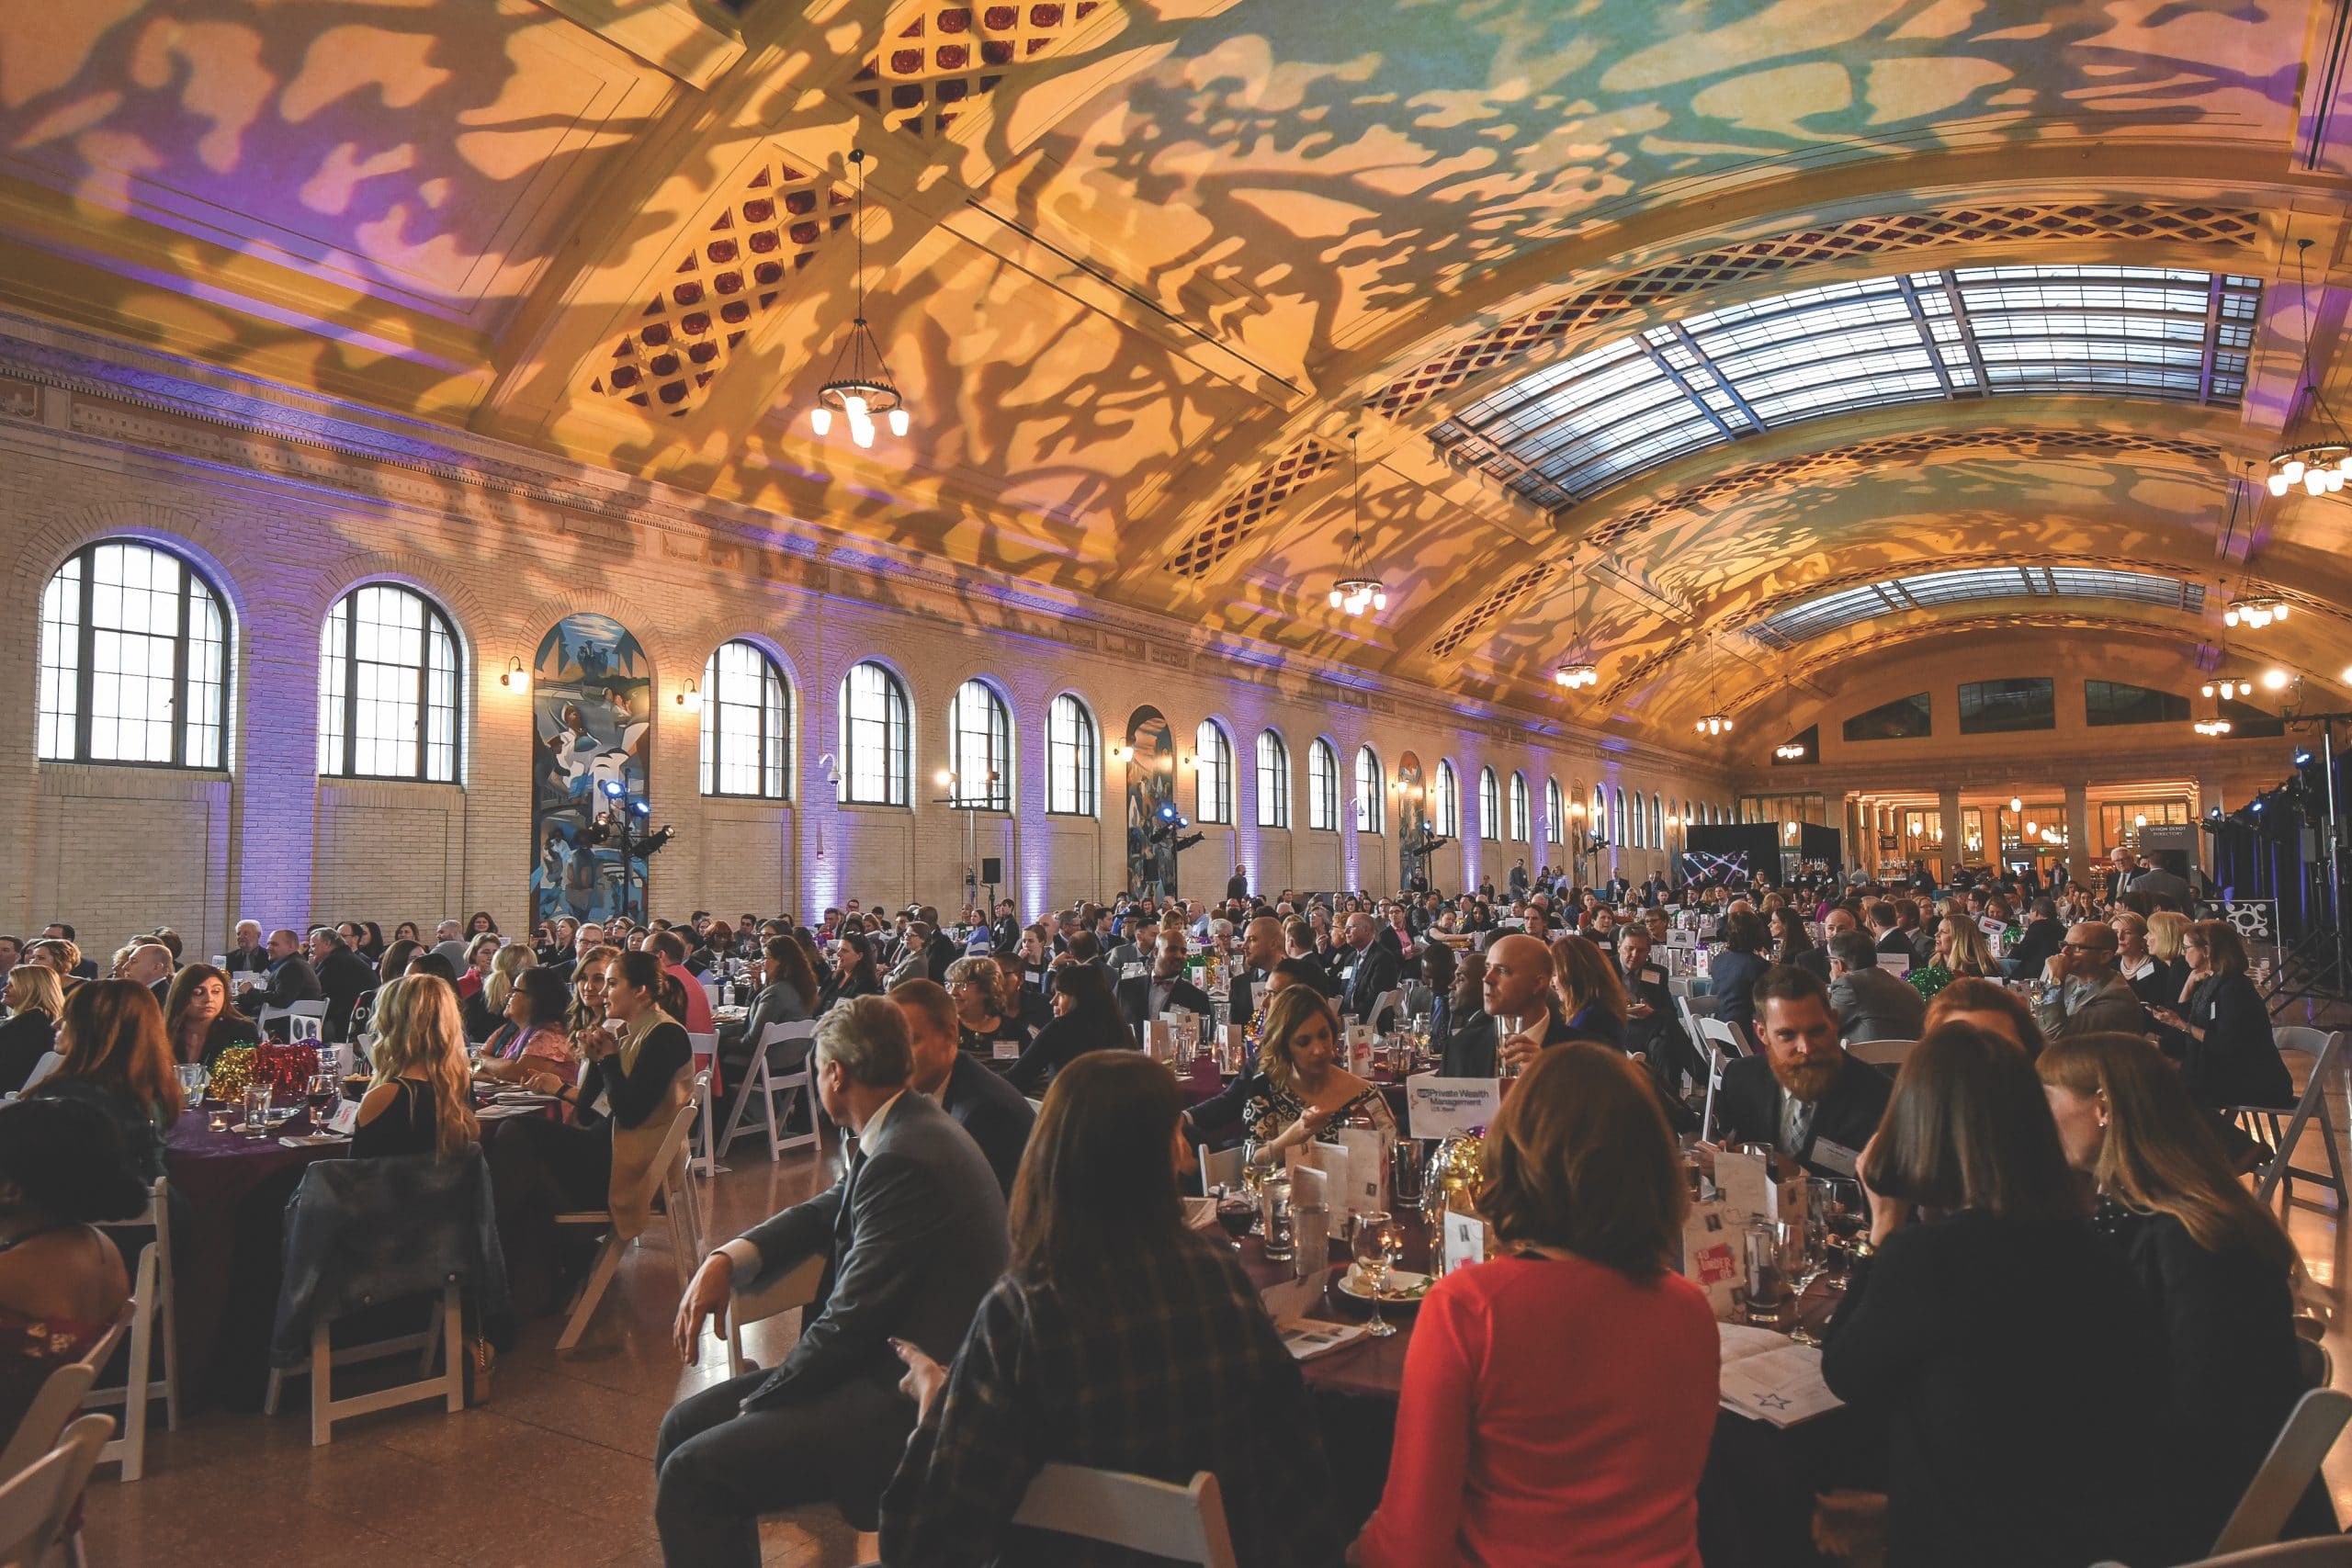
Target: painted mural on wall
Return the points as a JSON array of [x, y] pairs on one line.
[[1414, 841], [592, 708], [1151, 786]]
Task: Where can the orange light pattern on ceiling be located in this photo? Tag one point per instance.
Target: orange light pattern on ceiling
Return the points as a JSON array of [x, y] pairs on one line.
[[769, 230], [1243, 509], [949, 57], [1485, 611]]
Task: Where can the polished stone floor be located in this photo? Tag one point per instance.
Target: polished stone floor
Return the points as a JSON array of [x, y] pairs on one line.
[[555, 1470]]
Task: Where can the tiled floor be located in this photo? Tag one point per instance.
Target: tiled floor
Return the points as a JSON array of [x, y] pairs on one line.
[[555, 1470]]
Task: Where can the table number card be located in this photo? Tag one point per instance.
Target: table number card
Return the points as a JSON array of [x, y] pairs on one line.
[[1466, 1240], [1359, 1047], [1444, 1108], [346, 1119]]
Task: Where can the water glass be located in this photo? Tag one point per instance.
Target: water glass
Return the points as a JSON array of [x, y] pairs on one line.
[[194, 1075], [1506, 1025], [1310, 1241], [257, 1108], [1767, 1284], [1274, 1197], [1377, 1242]]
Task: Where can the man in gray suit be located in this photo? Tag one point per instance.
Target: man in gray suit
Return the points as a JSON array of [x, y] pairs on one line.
[[1872, 1003], [914, 1236]]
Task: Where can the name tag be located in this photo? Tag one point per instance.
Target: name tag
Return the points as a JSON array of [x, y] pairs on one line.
[[1005, 1050], [1833, 1156], [1132, 972], [1653, 975]]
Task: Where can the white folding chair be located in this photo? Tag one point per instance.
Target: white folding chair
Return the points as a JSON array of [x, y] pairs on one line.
[[1882, 1053], [35, 1506], [2310, 1430], [446, 1335], [2326, 1051], [128, 1448], [668, 1176], [60, 1395], [1219, 1167], [706, 1059], [1726, 1037], [51, 1061], [763, 1081], [1717, 1061], [1183, 1524], [772, 1296]]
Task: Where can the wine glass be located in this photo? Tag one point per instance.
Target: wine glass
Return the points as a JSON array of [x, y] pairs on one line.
[[1237, 1210], [320, 1091], [1377, 1242]]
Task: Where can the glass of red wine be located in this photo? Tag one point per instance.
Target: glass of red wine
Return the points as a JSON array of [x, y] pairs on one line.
[[321, 1093], [1235, 1213]]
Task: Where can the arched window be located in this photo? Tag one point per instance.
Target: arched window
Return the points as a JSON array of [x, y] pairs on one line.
[[980, 747], [1073, 760], [1657, 821], [134, 660], [1600, 811], [388, 688], [1518, 807], [746, 724], [1490, 806], [877, 758], [1322, 787], [1555, 813], [1369, 783], [1617, 815], [1638, 834], [1211, 773], [1274, 781], [1449, 802]]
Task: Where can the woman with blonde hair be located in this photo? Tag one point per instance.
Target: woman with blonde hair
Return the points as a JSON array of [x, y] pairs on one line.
[[2216, 1263], [2228, 1054], [35, 1002], [421, 1099], [1960, 951], [976, 987], [1297, 1087], [485, 1009], [1592, 999], [118, 1058]]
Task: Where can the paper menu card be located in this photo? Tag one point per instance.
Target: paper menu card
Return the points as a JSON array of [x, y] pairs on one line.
[[1444, 1108], [1768, 1377], [1464, 1241], [1289, 1303], [1331, 1162]]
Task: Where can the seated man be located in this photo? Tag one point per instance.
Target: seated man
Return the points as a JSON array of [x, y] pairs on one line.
[[2084, 992], [291, 978], [1801, 1093], [1872, 1003], [996, 1114], [914, 1236], [1144, 998], [1517, 986]]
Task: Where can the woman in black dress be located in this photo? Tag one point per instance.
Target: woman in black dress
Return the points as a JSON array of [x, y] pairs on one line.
[[2217, 1265], [200, 1020], [421, 1099], [1086, 1017], [2228, 1056], [35, 1000], [854, 972]]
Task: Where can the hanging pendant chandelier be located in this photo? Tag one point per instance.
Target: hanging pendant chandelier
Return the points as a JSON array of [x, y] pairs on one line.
[[2210, 728], [1789, 752], [1576, 677], [860, 385], [1359, 591], [1714, 722], [2319, 465]]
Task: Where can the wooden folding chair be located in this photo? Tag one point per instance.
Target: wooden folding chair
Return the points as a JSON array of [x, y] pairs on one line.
[[60, 1396], [2312, 1429], [1219, 1167], [772, 1295], [446, 1333], [1889, 1054]]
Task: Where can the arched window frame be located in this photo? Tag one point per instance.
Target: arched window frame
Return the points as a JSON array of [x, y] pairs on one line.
[[1073, 759], [746, 724], [1490, 806], [1657, 821], [184, 722], [980, 747], [1322, 787], [1371, 783], [390, 678], [1555, 812], [1448, 801], [1637, 829], [1274, 781], [878, 739], [1519, 826], [1211, 773]]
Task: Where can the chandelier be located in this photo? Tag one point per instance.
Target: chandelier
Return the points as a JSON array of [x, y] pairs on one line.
[[2229, 689], [2210, 727], [1358, 591], [2322, 466], [1576, 677], [1714, 723], [1789, 752], [860, 385], [2255, 612]]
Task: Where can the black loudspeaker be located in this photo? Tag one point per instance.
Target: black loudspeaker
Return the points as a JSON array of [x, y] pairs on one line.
[[992, 870]]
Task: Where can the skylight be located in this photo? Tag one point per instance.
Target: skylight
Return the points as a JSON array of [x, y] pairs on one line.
[[1851, 606], [1576, 427]]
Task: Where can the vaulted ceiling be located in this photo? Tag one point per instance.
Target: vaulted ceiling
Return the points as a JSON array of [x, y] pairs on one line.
[[1643, 324]]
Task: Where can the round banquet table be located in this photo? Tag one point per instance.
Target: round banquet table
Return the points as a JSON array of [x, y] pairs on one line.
[[1755, 1497]]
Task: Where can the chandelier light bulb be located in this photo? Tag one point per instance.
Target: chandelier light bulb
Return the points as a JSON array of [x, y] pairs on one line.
[[1335, 597], [2016, 805], [2276, 680], [862, 432], [1379, 599], [2277, 484], [2293, 470], [900, 422], [855, 405], [2278, 610], [821, 419], [2314, 483]]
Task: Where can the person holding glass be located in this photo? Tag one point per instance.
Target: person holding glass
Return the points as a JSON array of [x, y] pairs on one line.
[[1558, 1399], [2220, 1270], [1592, 999], [1297, 1089], [2016, 1366], [200, 1020], [1117, 1339]]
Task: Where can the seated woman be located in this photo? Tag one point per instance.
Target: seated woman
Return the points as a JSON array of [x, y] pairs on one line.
[[532, 1046], [1592, 999], [638, 1063], [485, 1011], [117, 1059], [2228, 1056], [63, 1283], [2219, 1269], [1297, 1089], [1960, 952], [854, 972], [1988, 1005], [2157, 983], [35, 1000], [787, 985], [1086, 1017], [482, 954], [1733, 973], [1559, 1399], [2022, 1438], [1117, 1339], [976, 987], [200, 1020], [421, 1101], [1791, 940]]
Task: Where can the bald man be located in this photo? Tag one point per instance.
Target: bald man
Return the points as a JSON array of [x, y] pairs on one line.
[[1261, 949], [1518, 986]]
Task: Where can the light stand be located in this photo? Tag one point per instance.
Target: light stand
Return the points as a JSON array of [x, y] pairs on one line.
[[2332, 970]]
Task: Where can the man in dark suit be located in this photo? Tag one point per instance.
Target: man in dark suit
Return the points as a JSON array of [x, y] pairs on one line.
[[995, 1113], [150, 965], [1261, 949], [2042, 937], [291, 978], [1379, 965], [343, 978], [1145, 998], [1872, 1003], [1886, 932], [1517, 985], [1801, 1093], [914, 1236], [1238, 885]]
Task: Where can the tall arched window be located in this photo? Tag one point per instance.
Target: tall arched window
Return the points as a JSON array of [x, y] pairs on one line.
[[980, 747], [1274, 781], [1518, 807], [1322, 787], [1638, 835], [1449, 802], [1555, 813], [1490, 806], [1617, 815], [1368, 784], [746, 724], [1657, 821], [134, 660], [877, 749], [1073, 760], [1211, 773], [388, 688], [1600, 811]]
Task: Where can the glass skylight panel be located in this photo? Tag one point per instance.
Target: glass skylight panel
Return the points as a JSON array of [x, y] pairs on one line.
[[1574, 427], [1851, 606]]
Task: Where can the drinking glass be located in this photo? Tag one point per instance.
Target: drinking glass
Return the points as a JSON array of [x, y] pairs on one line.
[[320, 1093], [1236, 1213], [1377, 1242], [257, 1108], [1274, 1202], [1767, 1284], [1844, 1224], [194, 1075], [1506, 1025]]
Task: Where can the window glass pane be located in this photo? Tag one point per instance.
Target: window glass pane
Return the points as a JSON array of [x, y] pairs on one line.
[[1490, 806], [387, 687], [979, 734], [1991, 707], [1368, 785], [1448, 803], [1519, 825], [1322, 787], [134, 652], [59, 700], [1211, 773], [334, 680], [1274, 781], [2117, 702], [1904, 719], [134, 656], [874, 737], [744, 716], [1070, 758]]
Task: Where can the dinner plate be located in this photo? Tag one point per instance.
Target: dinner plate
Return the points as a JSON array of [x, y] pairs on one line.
[[1405, 1287], [521, 1097]]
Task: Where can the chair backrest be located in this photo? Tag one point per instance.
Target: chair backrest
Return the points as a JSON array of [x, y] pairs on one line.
[[1882, 1053], [775, 1034], [703, 1045], [2310, 1430], [49, 1062], [1184, 1524], [1721, 1034], [35, 1504], [1219, 1167], [670, 1158], [2321, 1551], [59, 1397], [2302, 1037]]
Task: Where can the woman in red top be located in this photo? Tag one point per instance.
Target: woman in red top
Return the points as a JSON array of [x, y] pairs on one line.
[[1558, 1400]]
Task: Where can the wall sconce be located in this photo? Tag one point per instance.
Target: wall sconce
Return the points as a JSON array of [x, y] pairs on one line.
[[2140, 819], [2017, 804], [1121, 750], [1191, 760], [517, 679], [1577, 809], [690, 698]]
